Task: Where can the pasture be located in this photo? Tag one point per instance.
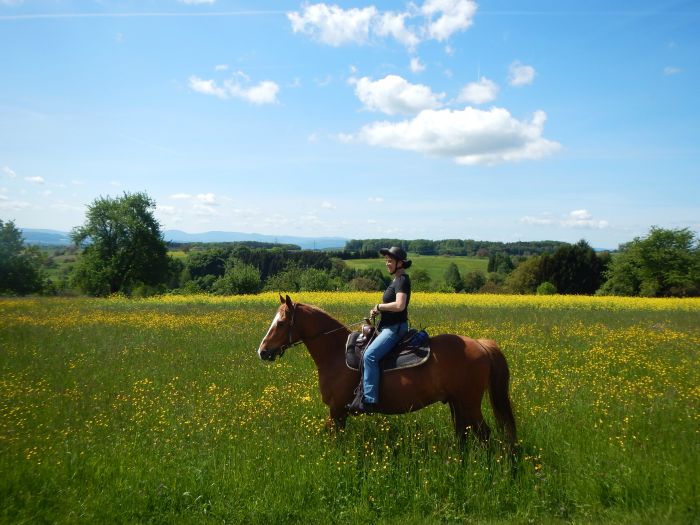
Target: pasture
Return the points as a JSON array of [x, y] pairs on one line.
[[160, 411]]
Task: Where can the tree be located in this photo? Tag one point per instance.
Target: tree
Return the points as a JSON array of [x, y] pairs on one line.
[[474, 281], [546, 288], [20, 266], [420, 280], [573, 269], [452, 278], [316, 280], [525, 278], [123, 246], [664, 263], [240, 278], [500, 263]]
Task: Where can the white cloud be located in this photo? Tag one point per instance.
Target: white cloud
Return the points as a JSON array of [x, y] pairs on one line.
[[537, 220], [394, 24], [180, 196], [197, 2], [470, 136], [207, 198], [574, 219], [671, 70], [327, 205], [520, 74], [14, 205], [166, 210], [453, 16], [376, 200], [394, 95], [333, 25], [264, 92], [221, 67], [583, 219], [35, 180], [207, 87], [63, 206], [416, 65], [10, 173], [205, 210], [480, 92]]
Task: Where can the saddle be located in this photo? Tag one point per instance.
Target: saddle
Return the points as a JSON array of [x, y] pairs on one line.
[[412, 350]]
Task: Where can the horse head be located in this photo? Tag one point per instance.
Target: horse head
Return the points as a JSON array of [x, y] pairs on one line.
[[279, 336]]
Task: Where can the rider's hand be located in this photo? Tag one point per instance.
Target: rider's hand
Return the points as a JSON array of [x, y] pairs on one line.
[[374, 312]]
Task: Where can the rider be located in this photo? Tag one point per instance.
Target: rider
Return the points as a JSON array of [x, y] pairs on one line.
[[392, 327]]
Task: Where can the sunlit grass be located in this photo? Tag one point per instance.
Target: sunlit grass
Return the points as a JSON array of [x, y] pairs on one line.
[[159, 410]]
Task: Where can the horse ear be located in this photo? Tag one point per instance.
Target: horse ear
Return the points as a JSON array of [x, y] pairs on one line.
[[289, 302], [281, 299]]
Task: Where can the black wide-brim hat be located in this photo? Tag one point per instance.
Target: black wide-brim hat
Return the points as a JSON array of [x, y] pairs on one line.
[[397, 253]]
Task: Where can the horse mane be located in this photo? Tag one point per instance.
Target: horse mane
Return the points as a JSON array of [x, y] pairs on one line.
[[327, 318]]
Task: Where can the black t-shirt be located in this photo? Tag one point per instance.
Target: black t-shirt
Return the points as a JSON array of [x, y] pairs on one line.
[[402, 284]]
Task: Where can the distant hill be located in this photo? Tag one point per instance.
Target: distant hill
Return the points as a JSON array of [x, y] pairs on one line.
[[46, 237], [59, 238], [306, 243]]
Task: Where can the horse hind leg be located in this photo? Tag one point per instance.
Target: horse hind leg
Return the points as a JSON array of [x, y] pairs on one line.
[[469, 422]]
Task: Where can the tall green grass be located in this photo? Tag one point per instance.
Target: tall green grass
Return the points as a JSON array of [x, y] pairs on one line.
[[159, 411]]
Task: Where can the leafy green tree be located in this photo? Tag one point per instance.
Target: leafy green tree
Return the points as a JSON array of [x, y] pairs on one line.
[[500, 263], [20, 266], [453, 279], [474, 281], [123, 246], [546, 288], [525, 278], [316, 280], [664, 263], [240, 278], [573, 269], [284, 281], [420, 280], [206, 262]]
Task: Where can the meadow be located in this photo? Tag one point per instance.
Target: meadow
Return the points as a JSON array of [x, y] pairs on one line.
[[159, 411]]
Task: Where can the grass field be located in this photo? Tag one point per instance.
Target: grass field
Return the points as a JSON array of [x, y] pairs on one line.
[[434, 265], [159, 411]]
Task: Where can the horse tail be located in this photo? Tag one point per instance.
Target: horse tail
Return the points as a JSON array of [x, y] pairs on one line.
[[498, 391]]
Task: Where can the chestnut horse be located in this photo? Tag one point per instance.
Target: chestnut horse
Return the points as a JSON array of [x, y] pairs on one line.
[[458, 372]]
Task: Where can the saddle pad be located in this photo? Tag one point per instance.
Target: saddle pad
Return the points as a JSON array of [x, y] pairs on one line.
[[402, 356]]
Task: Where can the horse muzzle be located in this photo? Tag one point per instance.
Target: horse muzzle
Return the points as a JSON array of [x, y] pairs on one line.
[[268, 354]]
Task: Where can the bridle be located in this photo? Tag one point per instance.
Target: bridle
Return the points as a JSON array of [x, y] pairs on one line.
[[291, 344]]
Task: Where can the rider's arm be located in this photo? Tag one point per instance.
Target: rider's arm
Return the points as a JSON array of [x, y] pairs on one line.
[[397, 306]]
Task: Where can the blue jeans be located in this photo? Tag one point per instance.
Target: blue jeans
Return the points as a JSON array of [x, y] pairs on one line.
[[382, 344]]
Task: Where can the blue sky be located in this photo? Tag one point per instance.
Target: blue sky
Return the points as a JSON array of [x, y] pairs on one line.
[[429, 119]]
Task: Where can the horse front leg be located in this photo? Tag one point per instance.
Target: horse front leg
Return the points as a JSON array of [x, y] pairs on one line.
[[337, 419]]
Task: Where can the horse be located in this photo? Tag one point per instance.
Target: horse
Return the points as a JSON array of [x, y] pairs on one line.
[[458, 372]]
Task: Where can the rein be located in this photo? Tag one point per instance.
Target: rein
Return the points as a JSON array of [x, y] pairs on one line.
[[284, 348]]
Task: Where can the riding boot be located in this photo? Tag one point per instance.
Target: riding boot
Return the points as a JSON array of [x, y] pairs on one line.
[[358, 404]]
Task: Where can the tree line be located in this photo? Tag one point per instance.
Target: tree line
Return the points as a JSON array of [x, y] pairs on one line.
[[120, 249], [460, 247]]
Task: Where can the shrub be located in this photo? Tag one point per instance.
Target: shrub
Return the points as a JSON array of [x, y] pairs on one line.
[[546, 288]]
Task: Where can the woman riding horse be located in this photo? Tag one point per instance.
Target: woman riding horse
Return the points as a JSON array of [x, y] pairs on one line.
[[392, 327]]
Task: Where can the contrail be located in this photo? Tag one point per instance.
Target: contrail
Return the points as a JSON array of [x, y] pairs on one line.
[[40, 16]]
